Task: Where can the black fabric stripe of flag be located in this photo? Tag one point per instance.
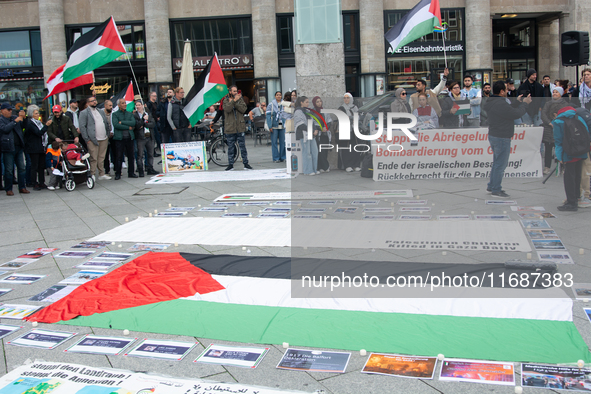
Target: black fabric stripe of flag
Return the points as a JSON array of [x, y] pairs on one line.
[[396, 30], [89, 37]]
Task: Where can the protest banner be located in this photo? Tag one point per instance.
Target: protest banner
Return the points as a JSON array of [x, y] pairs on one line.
[[454, 153]]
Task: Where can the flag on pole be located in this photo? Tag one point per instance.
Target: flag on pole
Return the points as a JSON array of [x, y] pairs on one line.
[[126, 94], [56, 84], [209, 88], [419, 22], [96, 48]]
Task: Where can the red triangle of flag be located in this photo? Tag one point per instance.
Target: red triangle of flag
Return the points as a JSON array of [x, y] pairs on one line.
[[111, 38], [216, 75], [129, 93]]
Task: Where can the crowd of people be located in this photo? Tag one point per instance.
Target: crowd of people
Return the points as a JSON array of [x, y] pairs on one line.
[[110, 135]]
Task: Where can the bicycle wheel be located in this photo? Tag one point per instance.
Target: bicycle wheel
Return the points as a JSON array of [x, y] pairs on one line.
[[218, 151]]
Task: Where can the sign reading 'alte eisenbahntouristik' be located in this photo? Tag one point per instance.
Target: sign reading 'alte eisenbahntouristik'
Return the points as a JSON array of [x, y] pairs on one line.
[[426, 48]]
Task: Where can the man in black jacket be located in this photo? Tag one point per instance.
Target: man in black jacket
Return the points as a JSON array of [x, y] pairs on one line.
[[12, 142], [531, 87], [501, 114], [181, 127], [165, 127]]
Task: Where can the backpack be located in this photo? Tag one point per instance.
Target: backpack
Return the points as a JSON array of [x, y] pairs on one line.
[[367, 166], [585, 115], [576, 137]]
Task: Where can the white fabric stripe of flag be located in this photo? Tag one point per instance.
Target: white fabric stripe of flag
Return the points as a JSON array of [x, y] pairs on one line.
[[194, 104], [84, 53], [422, 15], [525, 304]]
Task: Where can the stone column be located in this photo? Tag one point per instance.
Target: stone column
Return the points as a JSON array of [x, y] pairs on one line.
[[264, 40], [320, 71], [372, 42], [478, 34], [53, 35], [158, 49], [553, 53]]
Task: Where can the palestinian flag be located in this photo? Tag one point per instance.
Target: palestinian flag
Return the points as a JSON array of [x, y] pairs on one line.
[[209, 88], [419, 22], [462, 106], [96, 48], [126, 94], [56, 84], [248, 299]]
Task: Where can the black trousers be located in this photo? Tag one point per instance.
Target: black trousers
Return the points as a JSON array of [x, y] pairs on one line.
[[109, 156], [124, 147], [572, 181], [37, 168]]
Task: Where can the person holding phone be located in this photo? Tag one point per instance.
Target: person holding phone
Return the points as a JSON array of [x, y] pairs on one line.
[[235, 126], [12, 142]]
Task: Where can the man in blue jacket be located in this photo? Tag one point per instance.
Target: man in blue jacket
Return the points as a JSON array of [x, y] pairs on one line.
[[12, 142], [572, 165]]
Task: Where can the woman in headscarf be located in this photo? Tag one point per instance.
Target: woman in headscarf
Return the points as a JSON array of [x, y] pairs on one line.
[[349, 159], [309, 148], [288, 108], [547, 117], [400, 104], [275, 121], [323, 137], [449, 119]]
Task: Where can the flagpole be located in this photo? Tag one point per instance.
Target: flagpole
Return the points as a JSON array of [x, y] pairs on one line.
[[444, 52], [134, 78]]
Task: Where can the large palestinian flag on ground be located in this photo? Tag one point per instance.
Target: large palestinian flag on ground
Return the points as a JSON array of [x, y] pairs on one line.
[[248, 299], [96, 48], [209, 88]]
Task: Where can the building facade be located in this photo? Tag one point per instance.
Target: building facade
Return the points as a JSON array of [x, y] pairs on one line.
[[259, 51]]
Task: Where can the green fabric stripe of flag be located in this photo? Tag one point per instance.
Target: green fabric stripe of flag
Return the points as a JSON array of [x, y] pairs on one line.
[[522, 340]]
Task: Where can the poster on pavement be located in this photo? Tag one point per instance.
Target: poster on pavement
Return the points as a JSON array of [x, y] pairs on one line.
[[454, 153], [555, 377], [184, 157], [401, 365], [66, 378]]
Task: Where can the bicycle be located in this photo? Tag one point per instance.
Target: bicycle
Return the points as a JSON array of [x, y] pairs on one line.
[[217, 147]]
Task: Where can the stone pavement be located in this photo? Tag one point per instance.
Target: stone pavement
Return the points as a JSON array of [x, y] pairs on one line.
[[61, 219]]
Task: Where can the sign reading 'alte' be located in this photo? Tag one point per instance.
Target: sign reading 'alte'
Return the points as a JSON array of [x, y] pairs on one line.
[[226, 61]]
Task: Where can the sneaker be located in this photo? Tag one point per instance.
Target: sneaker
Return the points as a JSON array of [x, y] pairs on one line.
[[490, 191], [86, 156], [230, 168], [547, 170], [568, 207], [321, 171], [357, 169], [79, 163], [247, 167], [312, 174], [500, 194], [317, 172], [105, 177], [585, 203], [349, 169], [50, 188], [327, 170], [58, 187], [123, 165], [276, 161]]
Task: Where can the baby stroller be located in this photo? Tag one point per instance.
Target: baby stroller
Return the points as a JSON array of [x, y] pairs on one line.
[[76, 174]]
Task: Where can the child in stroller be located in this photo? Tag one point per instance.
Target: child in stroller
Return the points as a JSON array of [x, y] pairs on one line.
[[75, 166]]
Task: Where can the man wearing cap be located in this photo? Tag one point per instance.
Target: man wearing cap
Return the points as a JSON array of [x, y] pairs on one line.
[[12, 142], [72, 113], [530, 87], [61, 127], [510, 84]]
